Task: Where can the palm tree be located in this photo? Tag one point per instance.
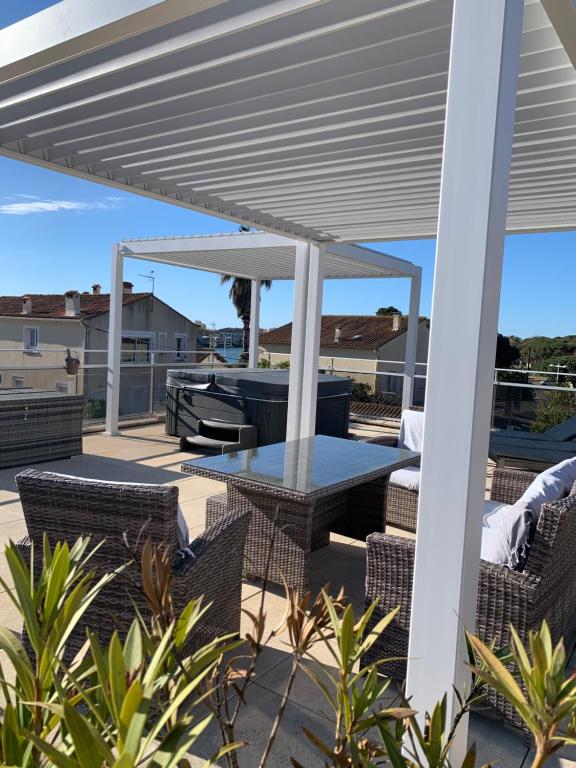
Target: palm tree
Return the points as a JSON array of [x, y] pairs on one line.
[[241, 296]]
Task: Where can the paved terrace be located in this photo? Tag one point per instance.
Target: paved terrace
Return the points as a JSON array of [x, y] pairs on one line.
[[145, 454]]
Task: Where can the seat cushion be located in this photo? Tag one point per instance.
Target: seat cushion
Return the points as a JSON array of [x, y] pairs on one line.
[[411, 429], [550, 485], [507, 531], [183, 534], [407, 477]]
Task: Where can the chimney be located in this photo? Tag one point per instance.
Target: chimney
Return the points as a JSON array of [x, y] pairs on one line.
[[26, 305], [396, 321], [72, 304], [337, 335], [127, 287], [96, 288]]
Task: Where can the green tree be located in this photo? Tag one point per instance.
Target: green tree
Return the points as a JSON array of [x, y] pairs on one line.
[[558, 407], [241, 296], [507, 353], [388, 311]]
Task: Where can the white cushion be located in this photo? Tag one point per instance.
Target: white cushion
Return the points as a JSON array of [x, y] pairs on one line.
[[411, 429], [183, 536], [407, 477], [507, 528], [495, 546], [550, 485]]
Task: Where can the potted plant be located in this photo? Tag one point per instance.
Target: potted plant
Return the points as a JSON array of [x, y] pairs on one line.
[[71, 362]]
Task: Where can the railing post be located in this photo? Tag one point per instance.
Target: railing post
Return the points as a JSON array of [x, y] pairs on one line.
[[151, 400], [114, 342]]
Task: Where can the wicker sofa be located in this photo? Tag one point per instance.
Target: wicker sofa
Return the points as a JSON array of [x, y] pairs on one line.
[[69, 507], [546, 589], [39, 426]]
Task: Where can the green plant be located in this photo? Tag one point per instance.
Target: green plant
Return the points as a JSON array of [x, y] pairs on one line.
[[283, 365], [241, 296], [117, 707], [264, 363], [137, 701], [361, 392], [558, 407], [546, 701], [95, 409]]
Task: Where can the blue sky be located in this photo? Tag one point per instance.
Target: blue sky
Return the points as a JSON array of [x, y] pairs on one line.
[[56, 233]]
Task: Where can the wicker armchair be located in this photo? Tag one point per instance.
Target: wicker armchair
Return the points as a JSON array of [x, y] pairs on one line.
[[546, 589], [69, 507]]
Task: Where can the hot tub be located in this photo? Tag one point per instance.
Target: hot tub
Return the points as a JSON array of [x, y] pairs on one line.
[[249, 396]]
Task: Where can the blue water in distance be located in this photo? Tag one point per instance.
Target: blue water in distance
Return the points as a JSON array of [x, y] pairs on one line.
[[230, 353]]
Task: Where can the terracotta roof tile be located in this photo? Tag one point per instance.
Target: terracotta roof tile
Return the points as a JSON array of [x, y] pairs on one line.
[[356, 331], [52, 305]]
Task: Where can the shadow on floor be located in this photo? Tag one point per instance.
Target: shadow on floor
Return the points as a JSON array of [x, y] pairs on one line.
[[98, 468]]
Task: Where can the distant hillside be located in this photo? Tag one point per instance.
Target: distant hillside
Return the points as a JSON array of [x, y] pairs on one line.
[[543, 351]]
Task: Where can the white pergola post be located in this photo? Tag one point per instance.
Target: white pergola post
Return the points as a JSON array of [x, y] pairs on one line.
[[312, 341], [254, 324], [481, 102], [114, 342], [411, 341], [302, 261]]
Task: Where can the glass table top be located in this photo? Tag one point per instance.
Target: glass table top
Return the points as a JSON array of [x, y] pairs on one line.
[[307, 466]]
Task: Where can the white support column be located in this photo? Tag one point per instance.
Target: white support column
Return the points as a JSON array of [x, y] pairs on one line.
[[254, 324], [298, 340], [411, 341], [481, 102], [114, 342], [312, 344]]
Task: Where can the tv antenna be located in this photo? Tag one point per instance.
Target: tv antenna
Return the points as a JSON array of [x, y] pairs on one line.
[[150, 276]]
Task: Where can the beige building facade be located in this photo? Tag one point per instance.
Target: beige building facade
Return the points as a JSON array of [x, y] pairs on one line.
[[37, 331]]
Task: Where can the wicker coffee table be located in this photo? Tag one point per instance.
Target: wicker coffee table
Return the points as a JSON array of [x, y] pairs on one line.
[[297, 491]]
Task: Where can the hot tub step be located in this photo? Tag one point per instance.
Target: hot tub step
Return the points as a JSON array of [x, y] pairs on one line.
[[209, 442]]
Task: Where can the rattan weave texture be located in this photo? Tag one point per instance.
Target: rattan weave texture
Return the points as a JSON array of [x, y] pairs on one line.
[[115, 514]]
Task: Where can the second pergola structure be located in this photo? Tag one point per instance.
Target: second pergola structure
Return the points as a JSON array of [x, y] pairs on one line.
[[259, 256]]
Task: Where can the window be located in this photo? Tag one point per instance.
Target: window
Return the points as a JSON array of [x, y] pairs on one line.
[[31, 339], [1, 379], [181, 340], [17, 381], [162, 341], [135, 350]]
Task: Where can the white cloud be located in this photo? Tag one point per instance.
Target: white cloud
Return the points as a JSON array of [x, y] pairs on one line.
[[37, 205]]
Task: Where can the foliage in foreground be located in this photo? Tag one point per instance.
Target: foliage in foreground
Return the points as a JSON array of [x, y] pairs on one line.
[[147, 698], [118, 706]]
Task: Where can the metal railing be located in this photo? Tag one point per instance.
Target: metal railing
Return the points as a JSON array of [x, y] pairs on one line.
[[522, 399]]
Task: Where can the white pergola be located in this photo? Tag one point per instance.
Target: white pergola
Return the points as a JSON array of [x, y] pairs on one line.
[[259, 256], [335, 121]]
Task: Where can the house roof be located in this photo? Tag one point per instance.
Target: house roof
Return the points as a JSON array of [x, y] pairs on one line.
[[210, 355], [52, 305], [356, 331]]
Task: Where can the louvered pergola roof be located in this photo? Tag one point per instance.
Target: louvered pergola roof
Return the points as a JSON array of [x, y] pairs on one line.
[[319, 119], [263, 256]]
